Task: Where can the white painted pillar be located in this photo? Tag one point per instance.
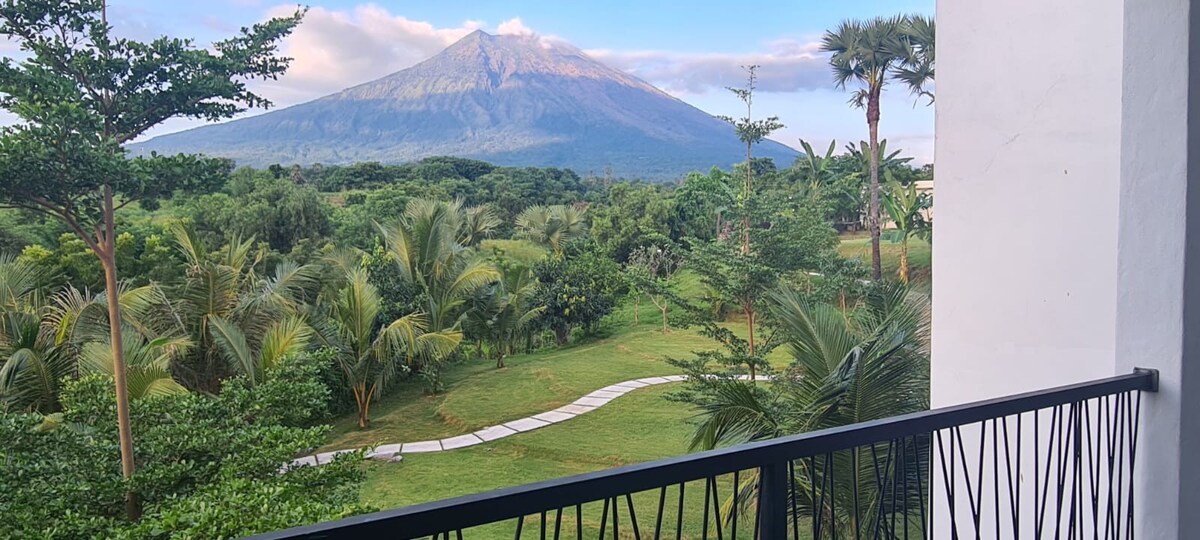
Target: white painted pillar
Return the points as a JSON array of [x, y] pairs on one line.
[[1068, 200], [1158, 255]]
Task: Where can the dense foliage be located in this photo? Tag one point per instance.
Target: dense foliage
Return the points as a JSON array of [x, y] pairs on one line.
[[208, 466]]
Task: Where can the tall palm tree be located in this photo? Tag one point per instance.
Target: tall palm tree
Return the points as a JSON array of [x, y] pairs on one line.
[[846, 368], [504, 312], [553, 226], [370, 356], [866, 53]]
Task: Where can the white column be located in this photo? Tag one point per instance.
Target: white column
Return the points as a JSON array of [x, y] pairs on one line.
[[1068, 203], [1158, 263]]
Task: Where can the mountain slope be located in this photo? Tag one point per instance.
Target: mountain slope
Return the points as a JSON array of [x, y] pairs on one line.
[[511, 100]]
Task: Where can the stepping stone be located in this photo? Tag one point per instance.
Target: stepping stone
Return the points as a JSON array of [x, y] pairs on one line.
[[616, 389], [384, 452], [574, 409], [605, 394], [423, 446], [306, 460], [326, 457], [676, 378], [494, 432], [592, 401], [630, 384], [526, 424], [654, 380], [460, 441], [554, 416]]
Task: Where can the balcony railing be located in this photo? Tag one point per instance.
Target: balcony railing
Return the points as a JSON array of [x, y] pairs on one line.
[[1056, 462]]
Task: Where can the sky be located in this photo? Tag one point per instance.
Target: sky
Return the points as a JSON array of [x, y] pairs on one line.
[[692, 50]]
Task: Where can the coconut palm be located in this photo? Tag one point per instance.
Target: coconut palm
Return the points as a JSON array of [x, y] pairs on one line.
[[503, 312], [846, 368], [147, 363], [425, 243], [553, 226], [238, 321], [370, 356], [867, 53]]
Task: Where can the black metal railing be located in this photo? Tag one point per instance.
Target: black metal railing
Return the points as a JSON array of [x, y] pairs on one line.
[[1056, 462]]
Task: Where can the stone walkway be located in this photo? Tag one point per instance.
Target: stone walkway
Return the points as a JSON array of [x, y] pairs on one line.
[[583, 405]]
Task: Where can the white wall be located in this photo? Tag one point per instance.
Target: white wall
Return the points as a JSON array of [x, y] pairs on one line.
[[1068, 200], [1027, 153]]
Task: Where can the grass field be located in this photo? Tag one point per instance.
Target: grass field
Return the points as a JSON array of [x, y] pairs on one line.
[[920, 255]]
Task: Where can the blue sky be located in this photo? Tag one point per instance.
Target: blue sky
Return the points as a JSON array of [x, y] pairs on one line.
[[690, 49]]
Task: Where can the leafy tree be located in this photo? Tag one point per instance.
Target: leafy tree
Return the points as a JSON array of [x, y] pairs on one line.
[[751, 132], [208, 464], [276, 211], [369, 356], [701, 204], [81, 94], [905, 206], [553, 226], [652, 268], [635, 215], [577, 288], [867, 53], [869, 364]]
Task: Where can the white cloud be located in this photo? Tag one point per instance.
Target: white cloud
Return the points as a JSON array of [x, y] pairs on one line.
[[785, 65], [515, 27], [335, 49]]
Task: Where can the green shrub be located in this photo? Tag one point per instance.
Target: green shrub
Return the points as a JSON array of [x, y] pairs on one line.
[[208, 466]]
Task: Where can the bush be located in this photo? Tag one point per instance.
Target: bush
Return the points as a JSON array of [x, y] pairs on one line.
[[208, 466]]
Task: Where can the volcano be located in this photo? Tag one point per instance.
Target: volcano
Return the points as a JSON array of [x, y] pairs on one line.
[[516, 100]]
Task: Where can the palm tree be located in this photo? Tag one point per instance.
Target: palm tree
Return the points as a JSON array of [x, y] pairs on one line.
[[425, 243], [917, 71], [238, 321], [867, 53], [503, 313], [479, 223], [370, 356], [147, 363], [904, 206], [553, 226], [870, 364]]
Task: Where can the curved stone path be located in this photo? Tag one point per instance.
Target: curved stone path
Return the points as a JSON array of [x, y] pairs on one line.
[[583, 405]]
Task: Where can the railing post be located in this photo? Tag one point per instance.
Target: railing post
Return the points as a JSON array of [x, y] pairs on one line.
[[772, 501]]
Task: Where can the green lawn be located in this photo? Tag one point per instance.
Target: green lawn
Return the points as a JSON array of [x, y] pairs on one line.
[[640, 426], [920, 253]]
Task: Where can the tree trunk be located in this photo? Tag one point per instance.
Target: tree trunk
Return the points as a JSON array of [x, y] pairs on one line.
[[637, 303], [745, 212], [359, 391], [873, 190], [562, 334], [663, 308], [750, 326], [108, 260], [904, 260]]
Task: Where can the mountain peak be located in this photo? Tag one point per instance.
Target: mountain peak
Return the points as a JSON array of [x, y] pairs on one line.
[[514, 99]]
